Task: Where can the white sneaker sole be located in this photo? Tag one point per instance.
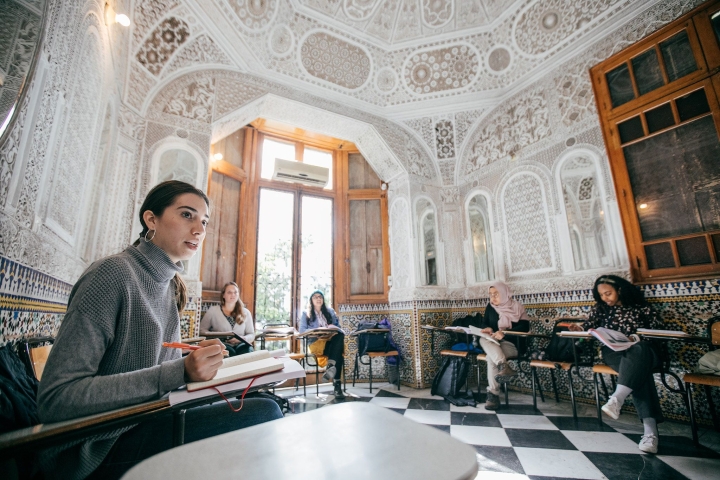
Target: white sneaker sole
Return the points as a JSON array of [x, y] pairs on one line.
[[610, 413], [648, 449]]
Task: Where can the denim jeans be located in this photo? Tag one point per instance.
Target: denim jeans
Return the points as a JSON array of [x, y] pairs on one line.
[[155, 436]]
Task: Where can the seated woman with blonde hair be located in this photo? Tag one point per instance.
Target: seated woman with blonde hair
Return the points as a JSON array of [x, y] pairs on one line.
[[230, 315]]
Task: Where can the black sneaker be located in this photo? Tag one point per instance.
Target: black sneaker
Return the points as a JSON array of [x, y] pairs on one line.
[[339, 395]]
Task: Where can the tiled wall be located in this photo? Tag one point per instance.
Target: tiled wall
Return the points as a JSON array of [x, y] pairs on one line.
[[33, 303], [683, 306]]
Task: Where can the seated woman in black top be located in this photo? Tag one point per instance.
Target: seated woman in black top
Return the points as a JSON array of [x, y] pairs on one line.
[[501, 314], [621, 306], [320, 315]]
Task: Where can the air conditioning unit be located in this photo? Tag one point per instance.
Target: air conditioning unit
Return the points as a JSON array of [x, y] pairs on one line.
[[298, 172]]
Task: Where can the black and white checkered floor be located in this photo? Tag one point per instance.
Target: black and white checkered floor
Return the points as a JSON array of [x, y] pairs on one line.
[[519, 442]]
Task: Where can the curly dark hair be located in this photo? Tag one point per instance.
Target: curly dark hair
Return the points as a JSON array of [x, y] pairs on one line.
[[629, 294]]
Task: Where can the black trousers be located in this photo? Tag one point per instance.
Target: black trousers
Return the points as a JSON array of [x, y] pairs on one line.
[[334, 349], [635, 366]]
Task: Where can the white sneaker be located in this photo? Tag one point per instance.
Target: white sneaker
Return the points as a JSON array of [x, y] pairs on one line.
[[648, 443], [612, 408]]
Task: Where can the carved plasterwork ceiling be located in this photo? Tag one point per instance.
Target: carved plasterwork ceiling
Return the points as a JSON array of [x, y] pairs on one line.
[[162, 43], [407, 20], [399, 54], [518, 125], [335, 60]]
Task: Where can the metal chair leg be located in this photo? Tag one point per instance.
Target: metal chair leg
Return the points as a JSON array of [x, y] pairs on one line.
[[179, 428], [355, 369], [532, 375], [572, 394], [370, 362], [604, 385], [539, 386], [711, 404], [597, 398], [693, 425], [554, 385], [505, 387]]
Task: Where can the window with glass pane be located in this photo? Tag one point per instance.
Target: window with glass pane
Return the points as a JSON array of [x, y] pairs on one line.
[[274, 269], [585, 214], [428, 230], [320, 158], [272, 149], [316, 247], [480, 237], [678, 56], [675, 176], [648, 75], [620, 85]]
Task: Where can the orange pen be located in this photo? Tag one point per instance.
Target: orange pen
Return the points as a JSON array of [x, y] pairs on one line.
[[186, 346]]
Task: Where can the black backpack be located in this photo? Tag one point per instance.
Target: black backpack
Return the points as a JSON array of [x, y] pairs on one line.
[[372, 342], [560, 349], [451, 377]]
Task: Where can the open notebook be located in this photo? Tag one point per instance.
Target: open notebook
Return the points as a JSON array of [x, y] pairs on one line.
[[241, 366]]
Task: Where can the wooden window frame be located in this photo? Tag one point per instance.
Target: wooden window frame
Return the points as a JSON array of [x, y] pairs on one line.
[[341, 195], [706, 48]]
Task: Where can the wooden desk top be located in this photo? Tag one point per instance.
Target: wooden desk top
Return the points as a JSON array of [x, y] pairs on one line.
[[368, 442]]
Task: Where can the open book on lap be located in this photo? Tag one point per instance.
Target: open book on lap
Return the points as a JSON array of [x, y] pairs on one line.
[[613, 339], [479, 333], [241, 366]]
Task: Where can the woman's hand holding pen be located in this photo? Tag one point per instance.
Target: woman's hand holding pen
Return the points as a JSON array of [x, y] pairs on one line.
[[202, 364]]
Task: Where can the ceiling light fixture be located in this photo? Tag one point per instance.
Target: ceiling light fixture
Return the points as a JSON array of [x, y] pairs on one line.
[[643, 205], [112, 17], [217, 157]]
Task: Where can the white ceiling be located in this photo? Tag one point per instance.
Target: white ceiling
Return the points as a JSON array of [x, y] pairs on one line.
[[397, 58]]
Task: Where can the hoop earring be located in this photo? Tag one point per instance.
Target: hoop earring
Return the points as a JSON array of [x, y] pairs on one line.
[[146, 235]]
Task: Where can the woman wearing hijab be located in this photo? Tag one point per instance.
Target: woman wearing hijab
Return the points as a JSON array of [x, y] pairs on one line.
[[501, 314]]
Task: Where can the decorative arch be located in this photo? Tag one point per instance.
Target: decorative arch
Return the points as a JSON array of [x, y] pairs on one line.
[[468, 241], [73, 167], [528, 236], [389, 147], [425, 266], [600, 240], [169, 144]]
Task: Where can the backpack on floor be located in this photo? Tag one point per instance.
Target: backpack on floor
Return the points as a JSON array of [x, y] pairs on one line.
[[560, 349], [451, 377]]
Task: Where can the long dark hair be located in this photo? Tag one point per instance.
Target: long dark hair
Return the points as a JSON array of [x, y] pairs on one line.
[[629, 294], [323, 309], [238, 311], [157, 200]]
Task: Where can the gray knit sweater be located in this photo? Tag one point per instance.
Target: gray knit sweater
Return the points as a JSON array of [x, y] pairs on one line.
[[108, 353]]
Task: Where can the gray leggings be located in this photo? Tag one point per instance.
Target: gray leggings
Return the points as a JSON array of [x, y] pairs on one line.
[[635, 366]]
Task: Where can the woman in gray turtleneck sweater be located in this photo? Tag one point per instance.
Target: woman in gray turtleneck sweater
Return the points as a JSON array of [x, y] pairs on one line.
[[108, 352]]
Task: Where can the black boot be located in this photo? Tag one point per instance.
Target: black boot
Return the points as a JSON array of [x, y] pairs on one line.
[[339, 395]]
